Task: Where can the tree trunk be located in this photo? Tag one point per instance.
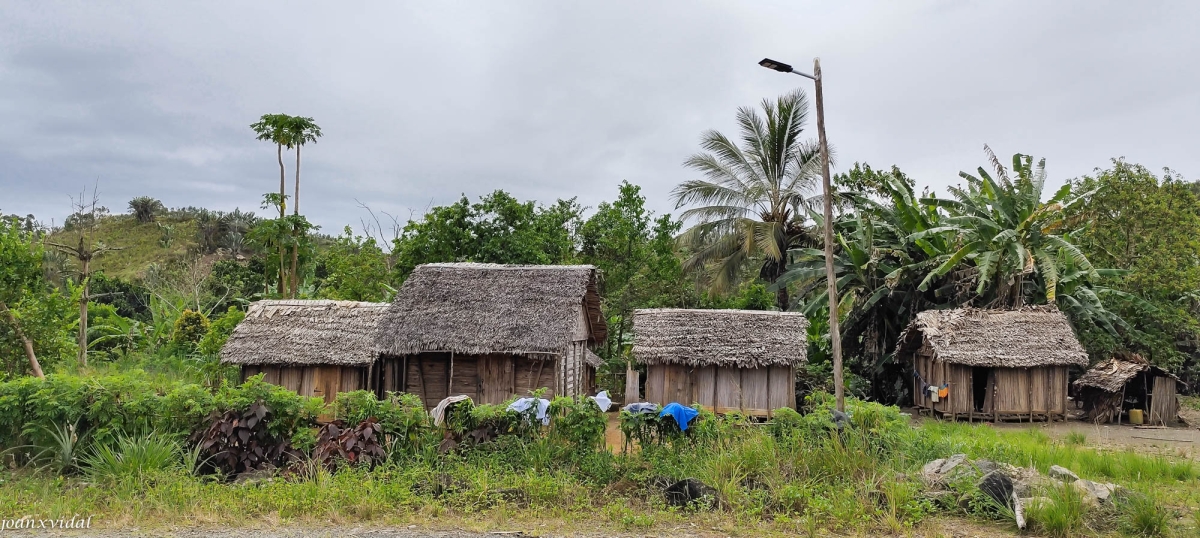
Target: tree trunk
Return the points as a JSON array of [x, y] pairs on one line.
[[83, 314], [12, 320], [282, 213], [781, 299], [296, 238]]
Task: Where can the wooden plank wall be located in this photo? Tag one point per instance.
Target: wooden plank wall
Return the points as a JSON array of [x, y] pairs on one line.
[[750, 391], [1164, 406], [485, 378], [322, 381], [1026, 392]]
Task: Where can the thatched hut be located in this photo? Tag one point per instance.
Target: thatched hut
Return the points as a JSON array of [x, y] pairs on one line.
[[1128, 382], [726, 360], [997, 364], [492, 331], [316, 348]]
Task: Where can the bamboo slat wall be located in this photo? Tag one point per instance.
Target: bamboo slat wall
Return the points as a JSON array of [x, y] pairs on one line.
[[750, 391], [1164, 406], [1011, 392], [321, 381]]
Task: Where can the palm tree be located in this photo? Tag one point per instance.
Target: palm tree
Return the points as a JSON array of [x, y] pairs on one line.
[[753, 198], [1008, 233], [877, 273], [273, 128], [145, 208], [300, 130]]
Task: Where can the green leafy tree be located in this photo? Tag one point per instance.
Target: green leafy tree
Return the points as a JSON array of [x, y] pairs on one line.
[[635, 253], [753, 200], [497, 229], [1147, 226], [353, 268], [32, 314]]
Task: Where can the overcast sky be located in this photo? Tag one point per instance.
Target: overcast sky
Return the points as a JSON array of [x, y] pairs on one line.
[[421, 102]]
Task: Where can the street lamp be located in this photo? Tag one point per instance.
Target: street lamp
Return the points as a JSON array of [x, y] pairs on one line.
[[831, 278]]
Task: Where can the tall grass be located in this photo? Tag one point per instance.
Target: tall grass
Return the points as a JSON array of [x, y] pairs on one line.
[[134, 457], [799, 475]]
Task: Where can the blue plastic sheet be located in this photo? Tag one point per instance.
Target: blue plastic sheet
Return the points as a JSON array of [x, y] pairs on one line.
[[681, 413]]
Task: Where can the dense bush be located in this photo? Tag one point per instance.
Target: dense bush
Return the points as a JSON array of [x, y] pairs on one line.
[[219, 331], [402, 417], [105, 407], [189, 328]]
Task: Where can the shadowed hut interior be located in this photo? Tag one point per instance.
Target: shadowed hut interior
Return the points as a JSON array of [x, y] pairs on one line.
[[991, 364], [1124, 382], [491, 332], [727, 361], [315, 348]]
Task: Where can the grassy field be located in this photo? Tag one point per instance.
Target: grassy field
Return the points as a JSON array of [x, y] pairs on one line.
[[768, 481], [140, 243]]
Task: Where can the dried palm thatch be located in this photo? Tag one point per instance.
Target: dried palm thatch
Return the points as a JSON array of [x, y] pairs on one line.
[[1111, 375], [475, 308], [592, 359], [1029, 337], [304, 332], [737, 338]]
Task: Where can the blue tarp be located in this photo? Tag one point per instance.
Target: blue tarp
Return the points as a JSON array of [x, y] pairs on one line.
[[681, 413]]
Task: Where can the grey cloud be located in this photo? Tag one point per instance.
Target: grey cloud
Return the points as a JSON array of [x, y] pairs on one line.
[[421, 102]]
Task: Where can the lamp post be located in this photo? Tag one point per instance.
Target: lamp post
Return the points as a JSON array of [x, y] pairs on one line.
[[831, 278]]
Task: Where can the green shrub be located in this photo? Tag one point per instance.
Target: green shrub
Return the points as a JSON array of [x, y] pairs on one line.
[[405, 424], [133, 457], [579, 423], [189, 328], [219, 330]]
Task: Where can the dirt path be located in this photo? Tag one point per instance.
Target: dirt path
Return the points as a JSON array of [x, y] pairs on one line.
[[1178, 442]]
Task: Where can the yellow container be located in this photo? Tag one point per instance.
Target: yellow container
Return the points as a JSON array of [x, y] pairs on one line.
[[1135, 416]]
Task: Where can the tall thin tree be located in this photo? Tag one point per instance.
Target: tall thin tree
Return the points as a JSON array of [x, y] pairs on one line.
[[86, 220], [273, 128], [300, 131]]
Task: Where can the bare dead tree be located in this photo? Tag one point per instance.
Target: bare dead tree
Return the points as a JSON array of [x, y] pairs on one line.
[[86, 216]]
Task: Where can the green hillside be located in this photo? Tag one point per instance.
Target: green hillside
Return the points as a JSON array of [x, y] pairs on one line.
[[141, 243]]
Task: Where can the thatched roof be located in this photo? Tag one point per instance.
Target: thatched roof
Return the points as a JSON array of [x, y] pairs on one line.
[[1112, 374], [739, 338], [1035, 336], [475, 308], [305, 332]]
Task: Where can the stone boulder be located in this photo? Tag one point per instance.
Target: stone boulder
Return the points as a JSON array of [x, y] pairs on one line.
[[1062, 473], [939, 472], [1094, 493]]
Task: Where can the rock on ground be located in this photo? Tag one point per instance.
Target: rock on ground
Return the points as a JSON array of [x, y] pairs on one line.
[[1062, 473]]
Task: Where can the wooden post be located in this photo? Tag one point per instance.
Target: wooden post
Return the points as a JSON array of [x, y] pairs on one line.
[[450, 377], [421, 377]]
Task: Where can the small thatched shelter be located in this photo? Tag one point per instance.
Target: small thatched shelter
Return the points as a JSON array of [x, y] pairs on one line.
[[726, 360], [1127, 382], [492, 331], [316, 348], [998, 364]]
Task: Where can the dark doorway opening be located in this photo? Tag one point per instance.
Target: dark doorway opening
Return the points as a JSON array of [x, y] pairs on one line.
[[979, 386]]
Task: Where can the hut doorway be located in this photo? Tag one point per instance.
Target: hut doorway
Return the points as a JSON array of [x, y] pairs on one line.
[[980, 382]]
